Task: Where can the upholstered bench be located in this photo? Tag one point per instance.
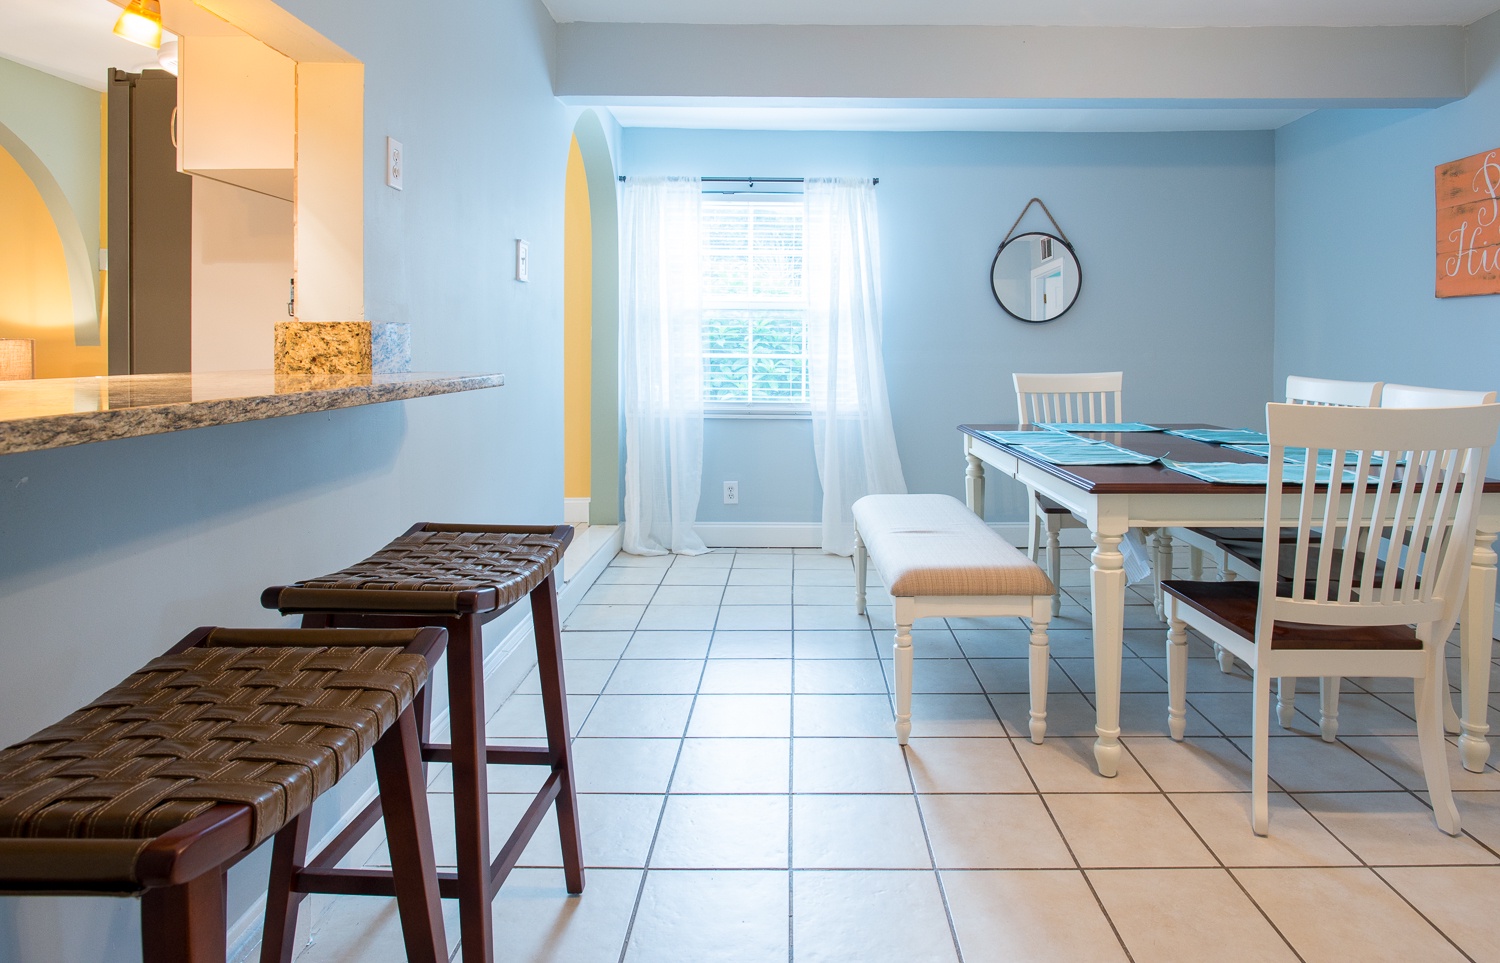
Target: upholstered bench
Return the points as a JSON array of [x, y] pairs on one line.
[[937, 558], [458, 577], [158, 786]]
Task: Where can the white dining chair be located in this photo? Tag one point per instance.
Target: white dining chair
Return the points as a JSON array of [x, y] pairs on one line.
[[1392, 396], [1091, 397], [1234, 548], [1347, 597]]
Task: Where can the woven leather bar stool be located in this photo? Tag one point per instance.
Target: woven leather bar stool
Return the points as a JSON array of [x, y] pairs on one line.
[[459, 577], [161, 784]]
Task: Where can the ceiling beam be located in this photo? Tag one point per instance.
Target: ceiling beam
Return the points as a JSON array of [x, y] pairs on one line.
[[619, 63]]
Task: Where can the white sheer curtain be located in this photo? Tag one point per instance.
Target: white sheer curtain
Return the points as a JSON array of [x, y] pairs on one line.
[[661, 361], [852, 435]]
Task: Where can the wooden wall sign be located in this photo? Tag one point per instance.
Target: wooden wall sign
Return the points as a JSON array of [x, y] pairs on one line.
[[1468, 226]]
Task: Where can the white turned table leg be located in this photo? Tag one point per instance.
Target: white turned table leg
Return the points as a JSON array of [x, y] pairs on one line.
[[1108, 584], [1475, 634], [974, 484]]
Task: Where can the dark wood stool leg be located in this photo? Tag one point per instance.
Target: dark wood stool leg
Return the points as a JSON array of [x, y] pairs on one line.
[[470, 785], [288, 855], [547, 625], [185, 923], [403, 797]]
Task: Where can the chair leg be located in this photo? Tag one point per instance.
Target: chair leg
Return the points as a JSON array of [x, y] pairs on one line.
[[403, 801], [1034, 538], [1260, 809], [548, 628], [903, 662], [1430, 693], [1054, 561], [470, 778], [1038, 653], [1195, 563], [1163, 562], [1176, 674], [1328, 707], [185, 923], [1286, 701], [288, 855], [1226, 659]]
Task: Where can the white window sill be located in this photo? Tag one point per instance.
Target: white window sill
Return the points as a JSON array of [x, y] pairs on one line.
[[758, 412]]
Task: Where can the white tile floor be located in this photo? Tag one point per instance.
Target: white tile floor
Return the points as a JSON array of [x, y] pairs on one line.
[[743, 798]]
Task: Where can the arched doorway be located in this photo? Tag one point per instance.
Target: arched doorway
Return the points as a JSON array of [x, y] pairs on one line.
[[591, 310]]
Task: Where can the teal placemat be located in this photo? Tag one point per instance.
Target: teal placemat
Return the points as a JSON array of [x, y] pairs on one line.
[[1020, 437], [1249, 473], [1105, 426], [1222, 436], [1079, 451], [1299, 455]]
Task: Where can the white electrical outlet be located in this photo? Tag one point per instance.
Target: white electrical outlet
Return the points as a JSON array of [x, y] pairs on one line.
[[732, 493], [523, 260], [395, 164]]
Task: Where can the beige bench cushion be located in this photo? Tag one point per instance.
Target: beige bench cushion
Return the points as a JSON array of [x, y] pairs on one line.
[[933, 545]]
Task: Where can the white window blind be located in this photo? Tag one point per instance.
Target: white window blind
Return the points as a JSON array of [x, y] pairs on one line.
[[754, 303]]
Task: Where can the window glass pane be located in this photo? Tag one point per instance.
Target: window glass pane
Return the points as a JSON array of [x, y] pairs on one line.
[[754, 331]]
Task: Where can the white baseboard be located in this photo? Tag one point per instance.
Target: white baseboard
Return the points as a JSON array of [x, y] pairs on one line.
[[575, 511], [810, 534]]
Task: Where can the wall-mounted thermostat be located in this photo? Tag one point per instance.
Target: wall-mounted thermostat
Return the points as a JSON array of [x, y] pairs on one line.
[[523, 261]]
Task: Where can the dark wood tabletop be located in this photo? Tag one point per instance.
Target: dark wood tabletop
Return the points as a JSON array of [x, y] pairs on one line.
[[1144, 479]]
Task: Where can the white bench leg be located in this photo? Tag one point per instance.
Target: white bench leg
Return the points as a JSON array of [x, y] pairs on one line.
[[861, 557], [903, 662], [1038, 652]]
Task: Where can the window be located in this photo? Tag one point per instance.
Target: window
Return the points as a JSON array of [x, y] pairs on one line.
[[754, 304]]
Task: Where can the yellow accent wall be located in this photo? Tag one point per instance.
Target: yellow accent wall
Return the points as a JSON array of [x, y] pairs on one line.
[[35, 297], [578, 309]]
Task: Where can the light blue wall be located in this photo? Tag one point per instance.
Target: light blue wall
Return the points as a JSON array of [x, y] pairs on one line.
[[1355, 260], [1174, 232], [111, 552]]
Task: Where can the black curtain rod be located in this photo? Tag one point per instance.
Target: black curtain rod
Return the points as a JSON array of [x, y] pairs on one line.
[[756, 180]]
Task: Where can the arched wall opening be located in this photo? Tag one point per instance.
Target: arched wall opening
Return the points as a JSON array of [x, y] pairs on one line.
[[602, 420]]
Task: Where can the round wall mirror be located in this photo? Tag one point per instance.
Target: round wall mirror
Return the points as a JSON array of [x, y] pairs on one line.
[[1035, 277]]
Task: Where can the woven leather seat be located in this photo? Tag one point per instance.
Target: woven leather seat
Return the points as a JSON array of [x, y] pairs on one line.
[[434, 568], [158, 785], [457, 577]]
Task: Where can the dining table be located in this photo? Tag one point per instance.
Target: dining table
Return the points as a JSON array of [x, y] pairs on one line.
[[1111, 499]]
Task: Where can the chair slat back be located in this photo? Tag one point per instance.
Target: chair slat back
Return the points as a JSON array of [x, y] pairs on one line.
[[1085, 397], [1412, 396], [1389, 552], [1326, 391]]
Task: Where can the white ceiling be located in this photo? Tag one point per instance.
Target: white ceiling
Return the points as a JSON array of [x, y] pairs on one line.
[[1035, 13], [71, 39]]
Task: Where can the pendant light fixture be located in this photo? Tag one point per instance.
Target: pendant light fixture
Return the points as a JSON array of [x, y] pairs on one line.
[[141, 23]]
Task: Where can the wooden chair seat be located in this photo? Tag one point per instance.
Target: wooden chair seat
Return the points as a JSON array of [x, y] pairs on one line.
[[160, 784], [1234, 606]]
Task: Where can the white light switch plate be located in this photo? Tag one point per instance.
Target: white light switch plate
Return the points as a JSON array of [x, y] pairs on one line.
[[523, 260], [395, 163]]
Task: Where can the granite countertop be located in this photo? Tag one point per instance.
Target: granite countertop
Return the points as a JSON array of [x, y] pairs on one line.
[[57, 412]]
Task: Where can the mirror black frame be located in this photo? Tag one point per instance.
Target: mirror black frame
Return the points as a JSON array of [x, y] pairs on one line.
[[1077, 264]]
